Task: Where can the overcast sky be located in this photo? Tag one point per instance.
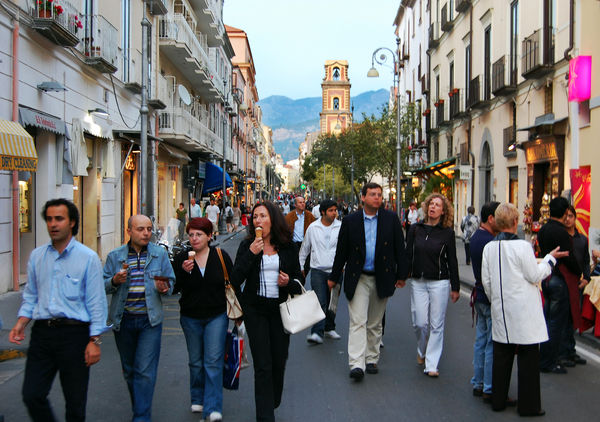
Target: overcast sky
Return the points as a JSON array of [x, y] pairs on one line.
[[291, 39]]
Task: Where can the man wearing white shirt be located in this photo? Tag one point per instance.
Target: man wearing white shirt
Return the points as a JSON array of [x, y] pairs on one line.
[[320, 241], [212, 213], [316, 211], [286, 207]]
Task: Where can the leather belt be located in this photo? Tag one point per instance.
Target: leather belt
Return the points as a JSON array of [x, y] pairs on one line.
[[59, 322]]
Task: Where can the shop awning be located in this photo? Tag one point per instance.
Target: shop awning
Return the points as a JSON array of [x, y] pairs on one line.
[[175, 152], [97, 127], [214, 179], [134, 135], [29, 117], [439, 168], [545, 120], [17, 148]]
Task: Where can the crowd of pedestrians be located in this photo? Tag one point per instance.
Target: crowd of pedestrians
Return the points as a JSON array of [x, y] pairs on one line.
[[365, 253]]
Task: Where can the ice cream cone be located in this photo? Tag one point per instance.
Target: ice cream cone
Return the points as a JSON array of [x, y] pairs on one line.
[[258, 232]]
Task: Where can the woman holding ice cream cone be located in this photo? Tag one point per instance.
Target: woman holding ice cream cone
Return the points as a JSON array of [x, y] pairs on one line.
[[203, 318], [268, 263]]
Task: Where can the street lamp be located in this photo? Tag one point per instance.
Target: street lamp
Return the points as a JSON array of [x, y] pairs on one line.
[[373, 73]]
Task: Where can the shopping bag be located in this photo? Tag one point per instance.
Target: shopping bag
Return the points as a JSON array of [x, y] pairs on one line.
[[301, 311], [234, 345]]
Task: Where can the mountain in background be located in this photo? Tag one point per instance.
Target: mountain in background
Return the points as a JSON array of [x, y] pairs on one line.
[[292, 119]]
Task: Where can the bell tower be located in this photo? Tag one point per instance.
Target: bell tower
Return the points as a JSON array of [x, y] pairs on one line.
[[335, 115]]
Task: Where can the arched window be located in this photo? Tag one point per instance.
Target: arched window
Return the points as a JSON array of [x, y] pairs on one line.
[[336, 73], [336, 103]]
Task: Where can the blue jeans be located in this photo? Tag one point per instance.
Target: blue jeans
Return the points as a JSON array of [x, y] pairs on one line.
[[556, 311], [318, 282], [483, 350], [139, 347], [205, 339]]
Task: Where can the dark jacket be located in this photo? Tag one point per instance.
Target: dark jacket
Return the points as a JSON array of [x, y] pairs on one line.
[[247, 269], [390, 256], [202, 296], [433, 255], [582, 253], [553, 234]]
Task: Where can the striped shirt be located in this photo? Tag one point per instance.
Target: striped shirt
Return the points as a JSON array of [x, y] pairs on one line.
[[136, 296]]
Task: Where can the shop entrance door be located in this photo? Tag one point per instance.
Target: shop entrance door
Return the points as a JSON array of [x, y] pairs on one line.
[[542, 183]]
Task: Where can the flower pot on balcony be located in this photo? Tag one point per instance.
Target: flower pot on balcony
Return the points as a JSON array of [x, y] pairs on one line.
[[46, 14]]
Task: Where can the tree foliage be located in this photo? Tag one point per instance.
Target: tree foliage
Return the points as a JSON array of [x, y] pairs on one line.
[[371, 143]]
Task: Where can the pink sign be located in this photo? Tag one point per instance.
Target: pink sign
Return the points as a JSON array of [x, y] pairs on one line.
[[580, 78]]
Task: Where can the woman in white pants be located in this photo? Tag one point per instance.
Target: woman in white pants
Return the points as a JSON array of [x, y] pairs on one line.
[[431, 248]]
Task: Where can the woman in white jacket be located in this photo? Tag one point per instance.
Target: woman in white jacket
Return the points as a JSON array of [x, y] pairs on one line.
[[510, 277]]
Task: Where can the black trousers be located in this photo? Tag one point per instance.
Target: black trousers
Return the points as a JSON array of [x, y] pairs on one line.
[[56, 349], [528, 360], [269, 345]]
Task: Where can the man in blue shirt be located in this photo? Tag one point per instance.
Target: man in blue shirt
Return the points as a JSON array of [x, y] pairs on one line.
[[483, 348], [65, 297], [371, 247], [138, 274]]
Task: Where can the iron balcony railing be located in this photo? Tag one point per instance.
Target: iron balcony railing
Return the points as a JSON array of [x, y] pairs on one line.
[[504, 80], [176, 27], [58, 20], [447, 22], [478, 95], [538, 54], [434, 35], [100, 40]]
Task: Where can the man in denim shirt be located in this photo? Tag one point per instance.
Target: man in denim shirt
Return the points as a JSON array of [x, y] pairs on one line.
[[65, 297], [138, 274]]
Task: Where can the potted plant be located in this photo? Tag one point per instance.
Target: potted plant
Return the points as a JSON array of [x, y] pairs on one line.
[[77, 25], [48, 9]]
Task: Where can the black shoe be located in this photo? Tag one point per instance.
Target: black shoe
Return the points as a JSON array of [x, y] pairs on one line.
[[478, 392], [541, 412], [372, 368], [511, 402], [357, 374], [487, 397], [578, 359], [557, 369], [567, 363]]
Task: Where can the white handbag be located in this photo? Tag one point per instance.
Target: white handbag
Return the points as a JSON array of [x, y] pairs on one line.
[[301, 311]]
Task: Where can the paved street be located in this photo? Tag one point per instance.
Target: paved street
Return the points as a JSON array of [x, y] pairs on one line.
[[317, 385]]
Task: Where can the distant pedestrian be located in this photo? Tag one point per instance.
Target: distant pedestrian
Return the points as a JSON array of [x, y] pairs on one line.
[[64, 295], [286, 207], [468, 225], [320, 243], [137, 275], [411, 216], [298, 221], [195, 209], [267, 262], [212, 212], [370, 252], [483, 348], [431, 247], [510, 277], [204, 321], [315, 211], [237, 216], [181, 214], [229, 217]]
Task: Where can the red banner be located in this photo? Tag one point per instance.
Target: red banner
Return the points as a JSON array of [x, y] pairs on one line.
[[581, 182]]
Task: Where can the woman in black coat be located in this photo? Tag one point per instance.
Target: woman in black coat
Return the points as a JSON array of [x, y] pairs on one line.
[[267, 262]]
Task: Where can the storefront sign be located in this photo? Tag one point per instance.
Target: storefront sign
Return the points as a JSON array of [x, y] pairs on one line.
[[541, 152], [44, 121], [580, 78], [581, 184], [465, 172]]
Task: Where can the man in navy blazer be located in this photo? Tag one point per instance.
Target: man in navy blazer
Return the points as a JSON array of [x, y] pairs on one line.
[[371, 246]]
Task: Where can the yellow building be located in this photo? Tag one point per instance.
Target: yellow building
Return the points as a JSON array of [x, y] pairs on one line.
[[336, 114]]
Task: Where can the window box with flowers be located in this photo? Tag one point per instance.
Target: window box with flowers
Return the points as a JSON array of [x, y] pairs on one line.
[[57, 20]]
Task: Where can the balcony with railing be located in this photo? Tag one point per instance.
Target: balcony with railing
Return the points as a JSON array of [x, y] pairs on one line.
[[538, 58], [479, 96], [430, 127], [210, 14], [130, 67], [441, 116], [99, 44], [157, 7], [161, 92], [458, 104], [462, 5], [508, 137], [56, 20], [504, 81], [434, 35], [188, 51], [447, 22]]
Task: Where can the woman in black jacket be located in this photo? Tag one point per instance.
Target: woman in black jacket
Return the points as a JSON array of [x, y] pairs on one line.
[[200, 279], [267, 262], [431, 248]]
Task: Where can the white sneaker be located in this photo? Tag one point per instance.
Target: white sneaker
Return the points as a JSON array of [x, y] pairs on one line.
[[214, 417], [197, 408], [332, 334], [314, 338]]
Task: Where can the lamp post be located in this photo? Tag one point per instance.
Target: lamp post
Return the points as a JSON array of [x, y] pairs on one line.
[[222, 223], [373, 73]]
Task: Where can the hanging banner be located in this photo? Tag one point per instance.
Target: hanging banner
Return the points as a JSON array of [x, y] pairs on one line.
[[581, 183], [580, 78]]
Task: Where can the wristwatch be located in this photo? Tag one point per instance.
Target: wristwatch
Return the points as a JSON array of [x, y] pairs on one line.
[[96, 340]]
